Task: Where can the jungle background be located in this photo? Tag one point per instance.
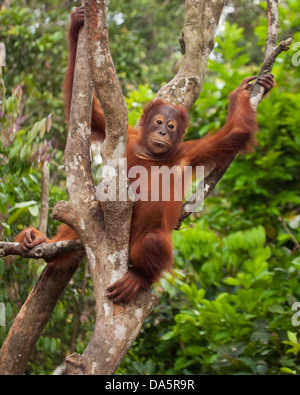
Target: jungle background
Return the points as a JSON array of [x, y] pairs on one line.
[[227, 308]]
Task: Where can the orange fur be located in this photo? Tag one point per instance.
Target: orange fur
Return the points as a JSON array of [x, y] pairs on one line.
[[150, 250]]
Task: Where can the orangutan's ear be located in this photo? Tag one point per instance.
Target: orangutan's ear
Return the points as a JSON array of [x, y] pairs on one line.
[[142, 120]]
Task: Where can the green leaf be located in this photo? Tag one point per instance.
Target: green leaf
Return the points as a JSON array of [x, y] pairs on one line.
[[3, 198], [231, 281], [167, 336], [293, 337], [288, 371], [25, 204], [2, 267], [34, 179], [19, 209], [34, 210]]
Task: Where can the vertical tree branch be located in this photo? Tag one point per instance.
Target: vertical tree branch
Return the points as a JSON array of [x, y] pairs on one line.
[[116, 326], [273, 26], [271, 51], [197, 40], [2, 86], [45, 197]]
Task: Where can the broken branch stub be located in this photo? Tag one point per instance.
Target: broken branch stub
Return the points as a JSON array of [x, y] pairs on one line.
[[197, 40]]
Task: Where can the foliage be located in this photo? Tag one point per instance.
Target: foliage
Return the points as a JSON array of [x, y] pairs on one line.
[[35, 37], [148, 40], [228, 307], [36, 57], [22, 151]]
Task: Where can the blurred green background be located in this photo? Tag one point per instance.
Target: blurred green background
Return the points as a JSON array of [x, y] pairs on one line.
[[228, 307]]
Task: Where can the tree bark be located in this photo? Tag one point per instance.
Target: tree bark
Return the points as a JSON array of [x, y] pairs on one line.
[[116, 326], [45, 251], [197, 41]]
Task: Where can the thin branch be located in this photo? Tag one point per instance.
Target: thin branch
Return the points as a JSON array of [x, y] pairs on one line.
[[43, 225], [210, 183], [271, 51], [46, 251], [258, 90], [273, 26], [285, 227]]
